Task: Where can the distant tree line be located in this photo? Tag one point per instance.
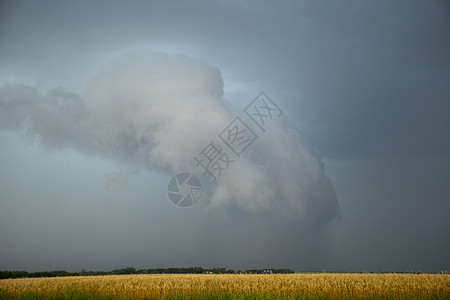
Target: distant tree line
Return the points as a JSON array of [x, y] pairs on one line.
[[269, 271], [130, 270]]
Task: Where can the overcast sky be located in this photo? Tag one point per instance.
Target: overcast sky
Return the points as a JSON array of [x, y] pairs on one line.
[[102, 102]]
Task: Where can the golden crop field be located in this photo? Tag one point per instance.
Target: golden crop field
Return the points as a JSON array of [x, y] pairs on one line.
[[231, 286]]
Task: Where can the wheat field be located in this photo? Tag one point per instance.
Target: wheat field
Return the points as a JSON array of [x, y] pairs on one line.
[[231, 286]]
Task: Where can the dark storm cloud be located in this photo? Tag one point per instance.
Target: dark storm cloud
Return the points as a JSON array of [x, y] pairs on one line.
[[378, 74]]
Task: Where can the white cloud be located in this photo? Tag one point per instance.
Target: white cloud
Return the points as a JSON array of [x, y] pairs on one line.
[[159, 111]]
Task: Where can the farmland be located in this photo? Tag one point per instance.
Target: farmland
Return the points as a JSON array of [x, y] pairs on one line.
[[232, 286]]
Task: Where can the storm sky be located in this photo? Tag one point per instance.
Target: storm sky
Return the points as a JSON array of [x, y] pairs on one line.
[[102, 102]]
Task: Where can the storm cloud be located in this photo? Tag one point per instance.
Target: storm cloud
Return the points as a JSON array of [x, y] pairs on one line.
[[156, 111], [353, 176]]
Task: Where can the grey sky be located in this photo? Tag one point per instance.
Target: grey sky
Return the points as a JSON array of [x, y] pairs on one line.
[[365, 84]]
